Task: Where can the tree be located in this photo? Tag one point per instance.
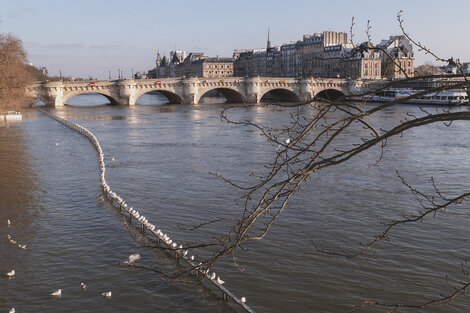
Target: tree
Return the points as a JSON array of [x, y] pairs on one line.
[[16, 74], [427, 69]]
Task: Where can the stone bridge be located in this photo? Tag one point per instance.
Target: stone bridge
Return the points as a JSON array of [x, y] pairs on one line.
[[190, 90]]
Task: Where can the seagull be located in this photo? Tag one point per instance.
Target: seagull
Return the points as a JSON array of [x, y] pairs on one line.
[[132, 258], [11, 274], [13, 242], [192, 257], [220, 281], [113, 159], [288, 141], [9, 223], [107, 294], [57, 293], [22, 246], [185, 252], [214, 275], [83, 286], [9, 237], [174, 244], [56, 143], [12, 310], [243, 299]]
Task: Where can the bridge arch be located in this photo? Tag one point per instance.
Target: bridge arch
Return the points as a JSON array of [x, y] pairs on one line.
[[279, 95], [172, 97], [232, 95], [112, 100], [329, 94]]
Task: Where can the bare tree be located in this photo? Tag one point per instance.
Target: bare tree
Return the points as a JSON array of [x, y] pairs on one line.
[[427, 69], [16, 74]]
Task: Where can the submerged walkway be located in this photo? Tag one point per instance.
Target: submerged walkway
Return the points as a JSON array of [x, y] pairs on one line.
[[179, 251]]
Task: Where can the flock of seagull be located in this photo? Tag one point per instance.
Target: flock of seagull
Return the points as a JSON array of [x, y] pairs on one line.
[[58, 293], [179, 250]]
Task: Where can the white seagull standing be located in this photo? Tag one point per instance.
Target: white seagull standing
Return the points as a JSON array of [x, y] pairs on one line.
[[107, 294], [214, 275], [22, 246], [243, 299], [11, 274], [12, 310], [57, 293], [9, 223], [220, 281]]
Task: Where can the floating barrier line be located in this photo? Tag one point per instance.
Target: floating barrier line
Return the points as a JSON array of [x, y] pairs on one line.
[[118, 202]]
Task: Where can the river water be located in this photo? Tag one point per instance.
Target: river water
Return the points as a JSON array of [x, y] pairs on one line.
[[159, 157]]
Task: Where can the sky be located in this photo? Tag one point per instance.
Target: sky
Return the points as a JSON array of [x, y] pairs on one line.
[[92, 38]]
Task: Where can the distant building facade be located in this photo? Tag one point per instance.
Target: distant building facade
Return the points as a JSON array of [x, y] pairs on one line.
[[398, 62], [194, 64], [326, 54]]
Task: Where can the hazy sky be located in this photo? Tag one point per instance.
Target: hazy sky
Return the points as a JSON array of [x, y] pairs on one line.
[[89, 38]]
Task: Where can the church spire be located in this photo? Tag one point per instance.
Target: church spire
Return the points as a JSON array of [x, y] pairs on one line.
[[268, 44], [159, 59]]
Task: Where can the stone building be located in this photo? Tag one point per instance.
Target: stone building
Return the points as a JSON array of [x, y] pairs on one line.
[[327, 54], [348, 61], [298, 59], [194, 64], [400, 50]]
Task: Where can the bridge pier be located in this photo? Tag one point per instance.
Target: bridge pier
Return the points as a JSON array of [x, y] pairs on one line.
[[191, 90], [253, 89], [126, 92], [306, 90]]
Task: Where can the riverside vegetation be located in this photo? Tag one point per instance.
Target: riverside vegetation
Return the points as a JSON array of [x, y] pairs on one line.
[[16, 74]]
